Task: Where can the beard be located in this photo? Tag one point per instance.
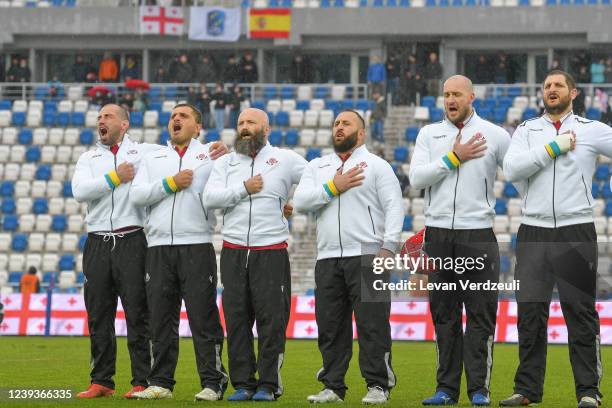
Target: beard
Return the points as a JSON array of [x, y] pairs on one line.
[[250, 146], [462, 115], [347, 144], [559, 108]]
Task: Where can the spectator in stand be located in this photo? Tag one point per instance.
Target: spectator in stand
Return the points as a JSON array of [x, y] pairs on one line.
[[19, 70], [377, 119], [583, 76], [482, 72], [301, 72], [235, 100], [80, 69], [172, 67], [555, 65], [377, 75], [393, 77], [412, 65], [127, 101], [598, 72], [231, 73], [248, 69], [13, 70], [509, 67], [432, 73], [578, 61], [500, 75], [608, 71], [109, 70], [220, 97], [2, 70], [204, 104], [29, 282], [205, 71], [54, 86], [140, 101], [184, 70], [161, 76], [579, 105], [131, 70]]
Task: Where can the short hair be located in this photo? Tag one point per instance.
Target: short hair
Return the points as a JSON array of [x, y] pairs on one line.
[[195, 111], [571, 82], [124, 114], [358, 115]]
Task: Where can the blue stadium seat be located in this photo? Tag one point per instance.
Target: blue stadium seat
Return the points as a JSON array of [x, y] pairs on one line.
[[313, 153], [457, 3], [276, 137], [436, 114], [49, 277], [477, 103], [292, 137], [530, 113], [609, 208], [605, 2], [602, 173], [43, 172], [593, 114], [20, 242], [499, 114], [504, 263], [62, 119], [25, 136], [50, 106], [363, 104], [163, 119], [171, 92], [155, 105], [14, 278], [19, 118], [605, 191], [378, 3], [515, 91], [77, 119], [5, 105], [287, 92], [400, 154], [66, 262], [325, 4], [404, 3], [428, 102], [258, 104], [80, 279], [67, 189], [595, 190], [154, 96], [510, 191], [82, 241], [136, 119], [10, 222], [338, 3], [443, 3], [164, 136], [7, 188], [270, 92], [430, 3], [470, 3], [40, 206], [33, 154], [391, 3], [363, 3], [8, 206], [212, 135], [282, 119], [41, 92], [274, 3], [490, 103], [321, 92], [504, 102], [500, 207], [407, 223], [48, 118], [332, 105], [287, 3], [347, 104], [551, 2], [59, 223], [565, 2], [87, 136], [412, 133]]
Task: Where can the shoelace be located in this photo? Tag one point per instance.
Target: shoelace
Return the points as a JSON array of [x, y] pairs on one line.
[[108, 235]]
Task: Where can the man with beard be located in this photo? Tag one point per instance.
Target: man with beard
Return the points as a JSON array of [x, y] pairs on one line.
[[115, 250], [181, 262], [252, 187], [456, 162], [358, 205], [551, 160]]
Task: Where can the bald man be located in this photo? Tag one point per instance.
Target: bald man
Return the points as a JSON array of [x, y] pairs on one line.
[[456, 162], [252, 186]]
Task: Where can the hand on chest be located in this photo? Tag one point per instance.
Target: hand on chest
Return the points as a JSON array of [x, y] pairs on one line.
[[274, 171]]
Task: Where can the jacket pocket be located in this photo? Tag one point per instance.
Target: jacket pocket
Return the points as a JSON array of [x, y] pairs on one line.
[[586, 191], [372, 220]]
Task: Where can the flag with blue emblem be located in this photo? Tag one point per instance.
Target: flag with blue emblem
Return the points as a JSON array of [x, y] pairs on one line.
[[214, 24]]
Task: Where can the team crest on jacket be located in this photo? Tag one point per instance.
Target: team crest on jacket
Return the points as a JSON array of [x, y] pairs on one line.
[[201, 156], [362, 165], [480, 137], [132, 151], [272, 161]]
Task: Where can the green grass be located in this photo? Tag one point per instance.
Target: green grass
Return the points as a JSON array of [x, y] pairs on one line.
[[63, 363]]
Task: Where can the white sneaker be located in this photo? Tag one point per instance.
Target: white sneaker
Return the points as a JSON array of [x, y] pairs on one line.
[[153, 392], [207, 394], [324, 397], [588, 402], [375, 395]]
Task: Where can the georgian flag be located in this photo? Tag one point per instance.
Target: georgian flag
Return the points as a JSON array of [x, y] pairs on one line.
[[161, 20]]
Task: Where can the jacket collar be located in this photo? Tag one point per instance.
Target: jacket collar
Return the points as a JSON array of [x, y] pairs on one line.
[[126, 141], [469, 121], [261, 153], [567, 116], [357, 152], [192, 144]]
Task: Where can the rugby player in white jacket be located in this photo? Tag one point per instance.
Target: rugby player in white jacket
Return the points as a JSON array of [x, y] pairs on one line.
[[551, 160], [456, 162], [252, 187], [181, 262], [357, 200]]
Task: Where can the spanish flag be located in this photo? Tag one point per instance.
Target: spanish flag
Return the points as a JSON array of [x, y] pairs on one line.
[[269, 23]]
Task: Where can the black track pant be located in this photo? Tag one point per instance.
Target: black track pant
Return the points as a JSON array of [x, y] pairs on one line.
[[474, 348], [116, 267], [567, 257], [186, 272], [338, 294], [256, 289]]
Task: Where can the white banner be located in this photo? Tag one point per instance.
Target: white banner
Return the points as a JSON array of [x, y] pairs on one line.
[[214, 24]]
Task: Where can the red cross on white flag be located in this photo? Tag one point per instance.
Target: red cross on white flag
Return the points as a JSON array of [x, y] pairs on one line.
[[161, 20]]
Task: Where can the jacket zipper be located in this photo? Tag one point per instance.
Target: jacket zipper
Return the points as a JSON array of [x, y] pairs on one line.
[[339, 226], [173, 203], [250, 207], [455, 199], [113, 197], [586, 191], [372, 219], [487, 193], [202, 205], [553, 188]]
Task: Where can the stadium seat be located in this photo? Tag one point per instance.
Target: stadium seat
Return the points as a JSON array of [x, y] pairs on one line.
[[510, 191], [40, 206], [281, 119], [86, 137], [7, 188], [276, 137], [593, 114], [291, 137], [212, 135], [20, 243], [411, 134], [32, 154], [313, 153], [163, 119], [82, 241], [400, 154], [407, 226], [59, 223], [501, 207], [10, 222], [8, 206], [77, 119], [25, 136], [136, 119], [43, 172]]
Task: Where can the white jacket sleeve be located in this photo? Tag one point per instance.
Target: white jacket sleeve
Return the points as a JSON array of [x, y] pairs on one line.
[[310, 195], [86, 186], [502, 148], [390, 196], [144, 192], [603, 135], [217, 194], [521, 162], [424, 172], [299, 166]]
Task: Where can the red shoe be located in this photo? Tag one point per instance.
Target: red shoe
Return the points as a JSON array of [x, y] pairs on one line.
[[96, 391], [136, 388]]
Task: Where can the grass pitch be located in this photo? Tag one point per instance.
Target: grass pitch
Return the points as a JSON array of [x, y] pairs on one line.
[[63, 363]]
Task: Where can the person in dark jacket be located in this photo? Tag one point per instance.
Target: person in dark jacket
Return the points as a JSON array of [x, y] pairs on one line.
[[184, 70], [248, 69], [205, 71], [231, 73]]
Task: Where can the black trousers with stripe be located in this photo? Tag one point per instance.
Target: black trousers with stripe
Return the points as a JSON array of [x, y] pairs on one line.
[[338, 294], [116, 268], [567, 257], [186, 272], [472, 349], [256, 290]]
